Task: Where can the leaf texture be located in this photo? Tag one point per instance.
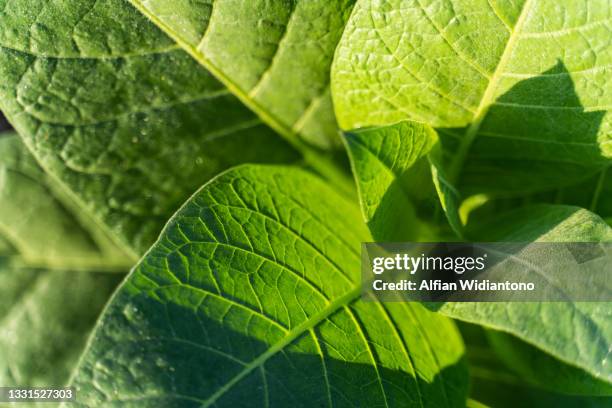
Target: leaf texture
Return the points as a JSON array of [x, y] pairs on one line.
[[577, 333], [45, 318], [391, 169], [42, 224], [53, 269], [540, 369], [274, 55], [116, 111], [495, 386], [388, 191], [251, 297], [510, 123]]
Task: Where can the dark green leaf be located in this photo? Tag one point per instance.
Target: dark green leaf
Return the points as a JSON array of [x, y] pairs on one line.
[[119, 113]]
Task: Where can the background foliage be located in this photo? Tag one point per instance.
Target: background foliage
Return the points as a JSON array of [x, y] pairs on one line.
[[240, 126]]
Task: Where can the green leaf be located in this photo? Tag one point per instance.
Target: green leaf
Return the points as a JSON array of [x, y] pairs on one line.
[[45, 318], [392, 174], [274, 55], [370, 149], [393, 167], [117, 112], [251, 297], [502, 395], [576, 333], [52, 264], [42, 224], [594, 194], [540, 369], [388, 191], [494, 385], [510, 122]]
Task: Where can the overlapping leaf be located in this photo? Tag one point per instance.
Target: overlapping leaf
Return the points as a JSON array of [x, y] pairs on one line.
[[274, 55], [45, 318], [251, 297], [563, 322], [391, 169], [42, 224], [495, 386], [576, 333], [119, 113], [510, 123], [54, 273], [543, 371]]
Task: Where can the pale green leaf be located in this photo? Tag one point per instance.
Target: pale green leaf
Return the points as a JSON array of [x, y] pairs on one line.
[[42, 224], [251, 297], [52, 273], [274, 55], [45, 318], [116, 111], [519, 91], [577, 333]]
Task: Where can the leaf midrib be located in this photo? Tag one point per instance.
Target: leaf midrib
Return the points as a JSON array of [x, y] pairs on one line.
[[292, 335], [321, 163], [488, 96]]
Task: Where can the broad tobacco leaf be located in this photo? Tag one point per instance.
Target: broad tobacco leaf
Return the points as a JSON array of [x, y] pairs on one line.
[[518, 91], [116, 111], [35, 212], [508, 124], [495, 386], [274, 55], [544, 371], [577, 333], [52, 289], [251, 297]]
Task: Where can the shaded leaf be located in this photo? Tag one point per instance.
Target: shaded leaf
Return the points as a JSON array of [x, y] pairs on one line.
[[495, 386], [577, 333], [539, 369], [51, 258], [42, 224], [45, 318], [510, 123], [392, 173]]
